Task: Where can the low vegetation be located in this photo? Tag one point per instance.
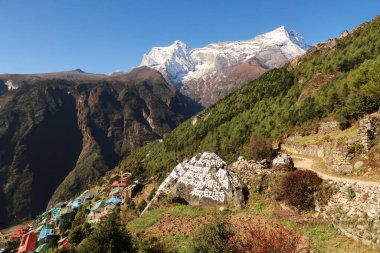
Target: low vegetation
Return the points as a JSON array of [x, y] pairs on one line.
[[259, 148], [110, 235], [298, 188], [259, 238]]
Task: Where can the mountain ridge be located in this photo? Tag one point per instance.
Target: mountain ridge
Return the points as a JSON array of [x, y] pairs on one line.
[[57, 135], [193, 69]]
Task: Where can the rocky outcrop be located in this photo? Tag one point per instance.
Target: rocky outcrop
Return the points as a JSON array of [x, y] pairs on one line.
[[283, 160], [368, 130], [216, 85], [354, 210], [344, 34], [205, 180]]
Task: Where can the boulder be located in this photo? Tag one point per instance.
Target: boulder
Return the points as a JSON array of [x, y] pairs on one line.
[[204, 180], [283, 160]]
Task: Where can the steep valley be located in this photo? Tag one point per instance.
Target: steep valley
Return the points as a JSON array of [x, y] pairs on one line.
[[59, 135]]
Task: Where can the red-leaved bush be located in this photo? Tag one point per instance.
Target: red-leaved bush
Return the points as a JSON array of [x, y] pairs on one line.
[[298, 188], [261, 239], [259, 148]]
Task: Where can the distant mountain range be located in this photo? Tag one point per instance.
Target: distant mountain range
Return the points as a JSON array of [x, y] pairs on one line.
[[210, 73]]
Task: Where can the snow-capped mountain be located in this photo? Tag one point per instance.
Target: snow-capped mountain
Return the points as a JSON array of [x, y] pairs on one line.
[[196, 70]]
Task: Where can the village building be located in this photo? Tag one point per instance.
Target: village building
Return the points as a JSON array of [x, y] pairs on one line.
[[60, 205], [64, 243], [126, 176], [134, 189], [28, 243], [86, 195], [118, 184], [76, 203], [17, 234], [96, 212], [42, 248], [110, 205], [45, 234], [116, 192]]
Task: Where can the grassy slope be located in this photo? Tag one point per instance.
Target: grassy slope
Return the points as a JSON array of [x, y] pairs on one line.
[[270, 106], [322, 235]]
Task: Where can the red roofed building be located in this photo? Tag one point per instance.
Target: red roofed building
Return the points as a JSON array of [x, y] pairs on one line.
[[118, 184], [28, 243], [19, 233], [126, 176], [64, 243]]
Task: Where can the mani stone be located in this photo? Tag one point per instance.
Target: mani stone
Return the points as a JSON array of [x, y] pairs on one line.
[[205, 180]]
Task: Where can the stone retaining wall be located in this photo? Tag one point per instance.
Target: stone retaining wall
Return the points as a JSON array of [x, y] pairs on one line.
[[335, 155], [355, 211], [368, 129]]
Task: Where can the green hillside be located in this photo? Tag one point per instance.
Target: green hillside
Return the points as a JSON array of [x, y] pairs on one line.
[[338, 79]]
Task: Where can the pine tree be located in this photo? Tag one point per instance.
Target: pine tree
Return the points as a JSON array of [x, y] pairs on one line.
[[110, 236]]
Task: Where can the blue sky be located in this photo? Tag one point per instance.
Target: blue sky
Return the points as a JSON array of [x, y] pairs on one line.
[[101, 36]]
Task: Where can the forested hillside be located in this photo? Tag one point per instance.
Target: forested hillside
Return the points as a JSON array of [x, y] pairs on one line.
[[338, 79]]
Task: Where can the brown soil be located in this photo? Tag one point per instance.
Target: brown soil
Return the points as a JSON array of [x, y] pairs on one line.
[[177, 225], [289, 214], [318, 81]]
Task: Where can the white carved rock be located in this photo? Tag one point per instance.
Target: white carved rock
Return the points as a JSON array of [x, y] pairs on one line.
[[204, 180]]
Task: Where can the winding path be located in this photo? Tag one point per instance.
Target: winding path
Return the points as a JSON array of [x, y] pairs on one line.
[[303, 162]]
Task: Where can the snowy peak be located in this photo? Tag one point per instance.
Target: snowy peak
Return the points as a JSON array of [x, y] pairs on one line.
[[296, 38], [182, 64], [281, 34], [175, 59]]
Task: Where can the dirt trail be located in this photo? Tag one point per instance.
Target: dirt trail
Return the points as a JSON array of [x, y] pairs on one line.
[[303, 162]]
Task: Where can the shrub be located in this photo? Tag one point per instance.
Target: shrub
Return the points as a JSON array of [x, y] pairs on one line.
[[130, 204], [151, 194], [141, 206], [12, 244], [358, 148], [110, 235], [351, 193], [262, 239], [76, 235], [259, 148], [213, 238], [298, 188]]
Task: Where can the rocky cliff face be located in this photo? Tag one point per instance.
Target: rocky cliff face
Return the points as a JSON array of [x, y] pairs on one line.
[[56, 135]]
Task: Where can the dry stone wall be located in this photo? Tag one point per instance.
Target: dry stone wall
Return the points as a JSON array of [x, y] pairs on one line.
[[337, 154], [368, 130], [355, 211], [328, 126], [246, 169]]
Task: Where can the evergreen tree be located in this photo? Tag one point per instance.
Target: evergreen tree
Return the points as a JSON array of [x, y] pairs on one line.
[[110, 236]]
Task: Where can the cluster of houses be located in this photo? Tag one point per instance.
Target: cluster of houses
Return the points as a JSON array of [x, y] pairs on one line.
[[50, 225]]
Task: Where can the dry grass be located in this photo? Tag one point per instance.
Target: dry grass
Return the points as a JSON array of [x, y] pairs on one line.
[[323, 137]]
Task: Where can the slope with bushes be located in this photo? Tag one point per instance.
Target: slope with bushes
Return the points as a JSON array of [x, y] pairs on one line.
[[272, 106]]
